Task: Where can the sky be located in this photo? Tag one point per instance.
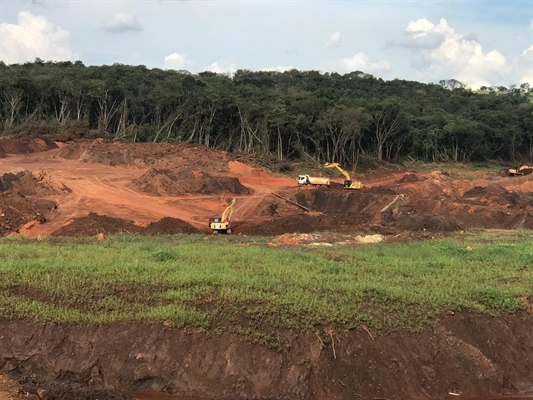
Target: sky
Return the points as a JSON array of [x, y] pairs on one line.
[[480, 43]]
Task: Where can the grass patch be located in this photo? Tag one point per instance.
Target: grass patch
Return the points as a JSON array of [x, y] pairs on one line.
[[198, 281]]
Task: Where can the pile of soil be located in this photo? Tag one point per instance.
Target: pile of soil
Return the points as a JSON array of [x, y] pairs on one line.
[[17, 210], [25, 184], [492, 194], [10, 145], [167, 182], [94, 224], [175, 156], [169, 226]]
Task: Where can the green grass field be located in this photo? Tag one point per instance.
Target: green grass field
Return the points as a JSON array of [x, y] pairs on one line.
[[208, 282]]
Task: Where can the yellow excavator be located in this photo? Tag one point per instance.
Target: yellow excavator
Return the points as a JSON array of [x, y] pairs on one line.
[[348, 183], [524, 169], [222, 224]]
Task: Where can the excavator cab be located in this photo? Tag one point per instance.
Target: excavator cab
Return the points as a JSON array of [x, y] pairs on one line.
[[222, 224]]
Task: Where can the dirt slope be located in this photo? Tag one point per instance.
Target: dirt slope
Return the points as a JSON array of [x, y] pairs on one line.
[[465, 355]]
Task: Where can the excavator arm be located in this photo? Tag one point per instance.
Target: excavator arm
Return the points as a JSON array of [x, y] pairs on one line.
[[342, 171], [228, 212]]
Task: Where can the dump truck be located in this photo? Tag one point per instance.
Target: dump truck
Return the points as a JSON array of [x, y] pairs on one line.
[[306, 180]]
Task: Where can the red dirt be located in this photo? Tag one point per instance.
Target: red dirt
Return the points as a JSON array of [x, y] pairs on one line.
[[143, 183]]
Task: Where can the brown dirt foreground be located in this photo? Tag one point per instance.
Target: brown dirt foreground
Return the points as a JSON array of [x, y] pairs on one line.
[[95, 188], [463, 355]]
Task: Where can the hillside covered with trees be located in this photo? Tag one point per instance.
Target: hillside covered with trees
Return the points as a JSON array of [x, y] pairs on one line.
[[283, 115]]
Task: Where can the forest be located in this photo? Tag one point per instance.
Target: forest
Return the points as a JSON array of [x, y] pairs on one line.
[[292, 115]]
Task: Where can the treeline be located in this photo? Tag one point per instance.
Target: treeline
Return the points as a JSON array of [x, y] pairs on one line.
[[289, 115]]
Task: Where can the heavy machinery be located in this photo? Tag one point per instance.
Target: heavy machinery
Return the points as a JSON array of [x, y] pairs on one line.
[[306, 180], [348, 183], [524, 169], [222, 224]]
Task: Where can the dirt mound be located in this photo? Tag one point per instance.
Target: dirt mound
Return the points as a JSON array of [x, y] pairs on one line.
[[167, 182], [94, 224], [25, 184], [10, 145], [169, 226], [491, 194], [174, 156], [16, 210]]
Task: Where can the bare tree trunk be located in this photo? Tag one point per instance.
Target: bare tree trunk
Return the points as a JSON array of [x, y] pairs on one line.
[[12, 106]]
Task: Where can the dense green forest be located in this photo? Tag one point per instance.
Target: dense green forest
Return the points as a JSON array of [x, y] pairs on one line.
[[298, 115]]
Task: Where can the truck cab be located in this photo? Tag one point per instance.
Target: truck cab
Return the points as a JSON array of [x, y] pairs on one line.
[[303, 180]]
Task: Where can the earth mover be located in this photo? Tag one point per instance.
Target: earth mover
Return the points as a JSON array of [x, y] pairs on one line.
[[524, 169], [348, 183], [222, 224], [306, 180]]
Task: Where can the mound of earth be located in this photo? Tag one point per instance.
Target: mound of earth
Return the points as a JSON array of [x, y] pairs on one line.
[[491, 194], [10, 145], [94, 224], [16, 210], [169, 226], [167, 182], [25, 184], [175, 156]]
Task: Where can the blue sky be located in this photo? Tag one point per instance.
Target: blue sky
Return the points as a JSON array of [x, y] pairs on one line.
[[476, 42]]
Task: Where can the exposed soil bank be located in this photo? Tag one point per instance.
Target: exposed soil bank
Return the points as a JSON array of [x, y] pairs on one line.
[[465, 354]]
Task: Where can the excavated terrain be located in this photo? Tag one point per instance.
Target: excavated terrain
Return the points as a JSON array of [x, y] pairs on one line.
[[95, 188], [92, 187]]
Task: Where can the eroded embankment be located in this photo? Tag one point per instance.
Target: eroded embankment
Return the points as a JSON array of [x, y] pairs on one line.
[[464, 354]]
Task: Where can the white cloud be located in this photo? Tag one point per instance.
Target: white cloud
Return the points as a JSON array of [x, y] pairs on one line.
[[334, 40], [176, 61], [442, 53], [222, 67], [33, 36], [360, 62], [122, 22], [279, 68], [525, 65]]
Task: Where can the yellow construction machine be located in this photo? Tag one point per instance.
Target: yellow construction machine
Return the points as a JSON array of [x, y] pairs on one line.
[[348, 183], [524, 169], [222, 224]]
